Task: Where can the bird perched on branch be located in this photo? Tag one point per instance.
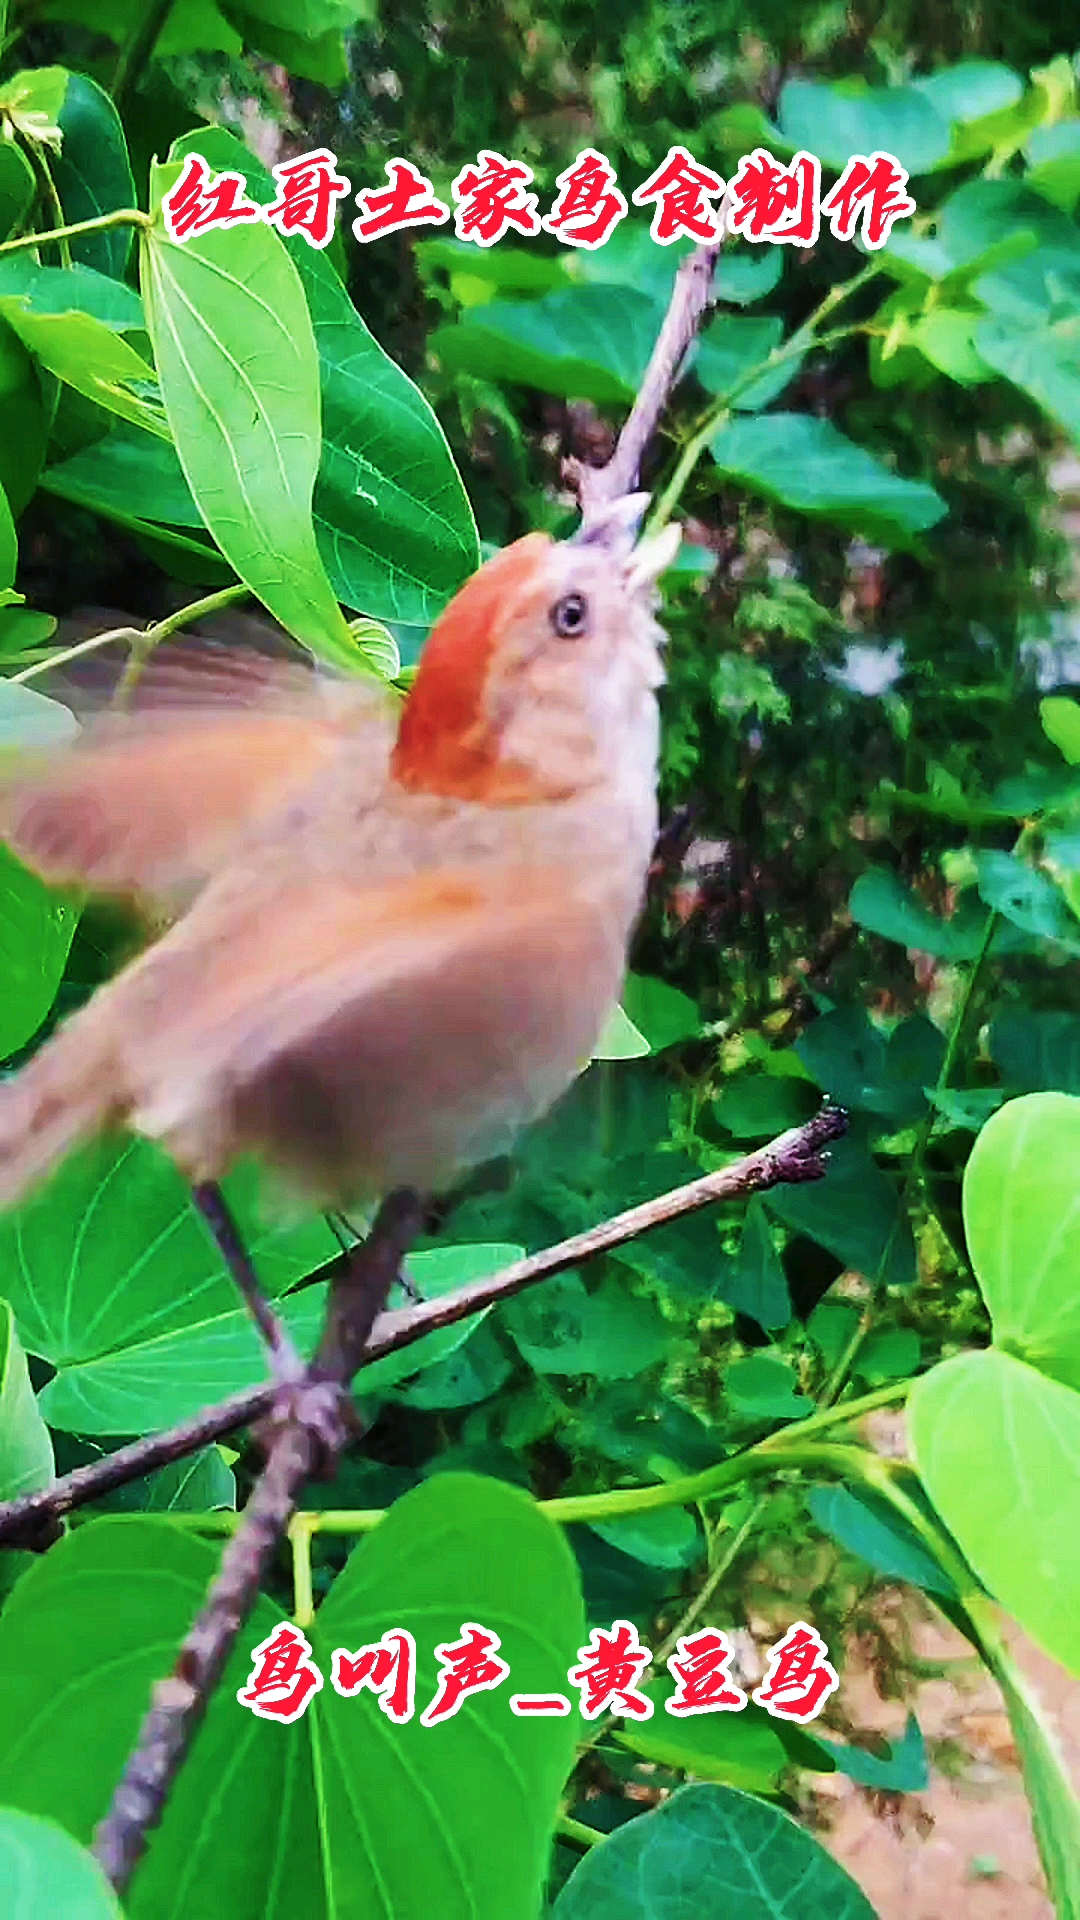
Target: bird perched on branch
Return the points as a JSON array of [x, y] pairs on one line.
[[391, 948]]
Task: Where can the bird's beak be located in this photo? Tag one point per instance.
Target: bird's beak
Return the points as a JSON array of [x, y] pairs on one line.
[[614, 527]]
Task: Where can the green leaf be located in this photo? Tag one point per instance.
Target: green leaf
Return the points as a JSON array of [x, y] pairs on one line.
[[1061, 724], [1026, 897], [764, 1389], [744, 1749], [903, 1770], [36, 929], [670, 1537], [42, 1870], [116, 1282], [437, 1271], [836, 121], [853, 1060], [659, 1011], [880, 902], [127, 472], [731, 346], [809, 464], [579, 344], [77, 289], [392, 519], [713, 1852], [855, 1212], [891, 1354], [513, 268], [759, 1286], [239, 376], [620, 1039], [202, 1483], [477, 1368], [1037, 1052], [323, 57], [9, 547], [88, 356], [971, 89], [1053, 155], [192, 26], [560, 1328], [1021, 1205], [870, 1528], [26, 1453], [457, 1549], [17, 187], [756, 1106], [996, 1445], [1042, 360], [1055, 1810], [30, 719], [92, 173]]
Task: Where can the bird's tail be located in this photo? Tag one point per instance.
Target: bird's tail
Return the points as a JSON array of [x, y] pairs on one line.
[[63, 1094]]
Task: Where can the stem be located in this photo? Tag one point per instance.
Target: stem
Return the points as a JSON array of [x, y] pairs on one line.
[[41, 163], [805, 337], [705, 1593], [577, 1830], [159, 630], [138, 48], [793, 1156], [914, 1175], [300, 1535], [124, 217]]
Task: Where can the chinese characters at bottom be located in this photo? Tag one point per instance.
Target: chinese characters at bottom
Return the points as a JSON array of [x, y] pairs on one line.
[[797, 1683]]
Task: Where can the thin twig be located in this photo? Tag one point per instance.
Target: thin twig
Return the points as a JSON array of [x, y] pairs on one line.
[[689, 299], [792, 1157], [308, 1436]]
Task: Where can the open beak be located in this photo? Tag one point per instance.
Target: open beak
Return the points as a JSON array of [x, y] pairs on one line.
[[614, 527]]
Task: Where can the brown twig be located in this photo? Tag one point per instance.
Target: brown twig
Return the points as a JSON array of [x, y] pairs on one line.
[[309, 1434], [689, 299], [792, 1157]]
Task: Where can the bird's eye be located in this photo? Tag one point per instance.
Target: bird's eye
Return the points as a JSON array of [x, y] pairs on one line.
[[570, 616]]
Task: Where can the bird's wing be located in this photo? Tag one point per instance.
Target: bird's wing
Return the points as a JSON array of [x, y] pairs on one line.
[[156, 799], [371, 1036]]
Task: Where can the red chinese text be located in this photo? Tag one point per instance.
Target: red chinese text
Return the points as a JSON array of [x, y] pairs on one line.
[[525, 1704], [283, 1676], [772, 202], [409, 201], [468, 1665], [610, 1665], [388, 1668], [874, 185], [800, 1678], [700, 1666], [590, 203], [682, 191], [309, 187], [201, 200], [491, 198]]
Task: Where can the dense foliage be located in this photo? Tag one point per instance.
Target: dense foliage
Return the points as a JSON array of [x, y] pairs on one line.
[[868, 886]]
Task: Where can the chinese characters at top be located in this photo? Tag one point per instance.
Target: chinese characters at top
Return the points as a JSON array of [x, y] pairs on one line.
[[764, 200]]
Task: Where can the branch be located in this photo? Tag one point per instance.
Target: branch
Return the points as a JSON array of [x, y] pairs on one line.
[[309, 1434], [689, 299], [792, 1157]]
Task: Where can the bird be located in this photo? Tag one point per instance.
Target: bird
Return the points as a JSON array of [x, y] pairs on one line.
[[387, 940]]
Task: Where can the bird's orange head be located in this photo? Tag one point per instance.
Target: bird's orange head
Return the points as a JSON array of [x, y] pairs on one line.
[[539, 678]]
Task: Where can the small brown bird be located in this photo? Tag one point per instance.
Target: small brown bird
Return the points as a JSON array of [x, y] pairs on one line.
[[390, 950]]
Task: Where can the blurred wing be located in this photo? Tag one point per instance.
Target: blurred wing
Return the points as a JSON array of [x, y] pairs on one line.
[[375, 1036], [159, 798]]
